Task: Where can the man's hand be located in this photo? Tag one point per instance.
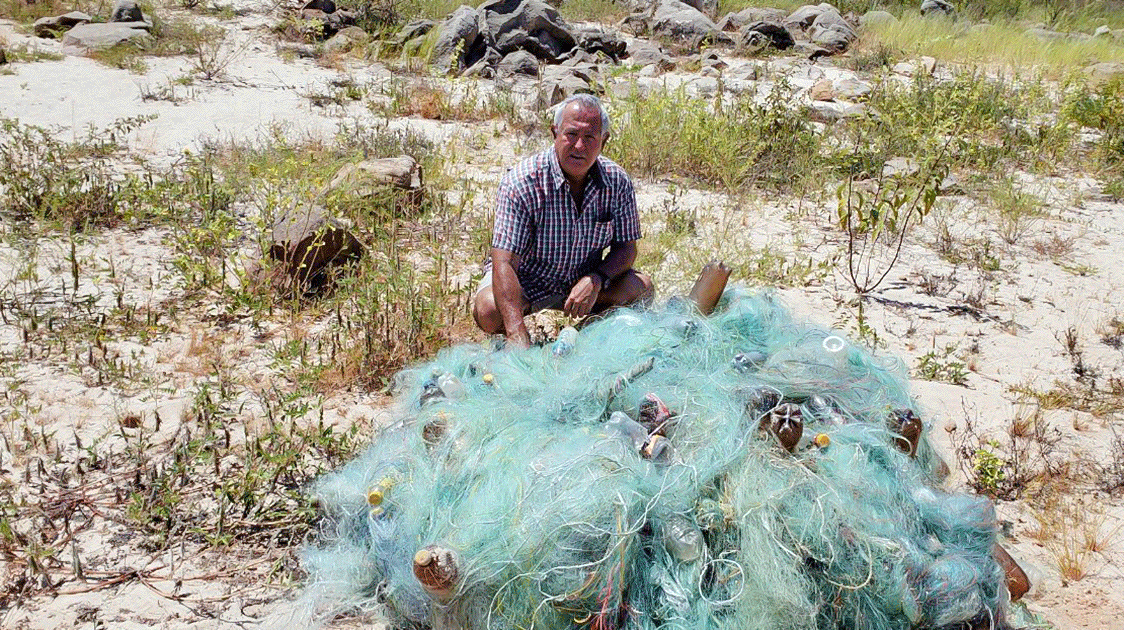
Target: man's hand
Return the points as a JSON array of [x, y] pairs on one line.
[[583, 296]]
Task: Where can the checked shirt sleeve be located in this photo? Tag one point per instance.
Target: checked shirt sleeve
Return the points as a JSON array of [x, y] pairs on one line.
[[626, 218], [512, 228]]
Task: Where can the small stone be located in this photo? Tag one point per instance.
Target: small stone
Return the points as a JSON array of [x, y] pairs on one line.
[[823, 90], [126, 11]]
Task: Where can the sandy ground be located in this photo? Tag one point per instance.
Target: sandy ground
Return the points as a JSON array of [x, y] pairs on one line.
[[1012, 337]]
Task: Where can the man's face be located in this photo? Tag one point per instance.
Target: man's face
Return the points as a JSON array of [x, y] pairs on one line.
[[578, 140]]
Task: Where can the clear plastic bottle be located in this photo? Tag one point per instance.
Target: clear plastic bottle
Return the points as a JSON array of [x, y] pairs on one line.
[[451, 386], [564, 345]]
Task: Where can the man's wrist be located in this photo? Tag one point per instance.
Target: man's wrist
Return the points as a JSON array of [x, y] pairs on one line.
[[602, 278]]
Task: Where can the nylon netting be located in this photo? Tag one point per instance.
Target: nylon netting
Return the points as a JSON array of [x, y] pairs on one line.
[[546, 475]]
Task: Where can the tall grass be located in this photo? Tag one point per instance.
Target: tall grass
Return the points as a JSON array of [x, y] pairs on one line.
[[1002, 45], [734, 144]]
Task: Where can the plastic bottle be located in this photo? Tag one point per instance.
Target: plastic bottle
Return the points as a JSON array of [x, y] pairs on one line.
[[709, 287], [451, 386], [620, 424], [683, 539], [564, 345]]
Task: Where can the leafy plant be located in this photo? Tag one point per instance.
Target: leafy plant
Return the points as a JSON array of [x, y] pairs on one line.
[[942, 366]]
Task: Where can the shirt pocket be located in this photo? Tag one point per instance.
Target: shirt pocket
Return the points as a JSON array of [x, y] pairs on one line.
[[602, 234]]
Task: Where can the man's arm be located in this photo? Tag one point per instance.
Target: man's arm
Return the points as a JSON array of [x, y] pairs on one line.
[[583, 296], [508, 294]]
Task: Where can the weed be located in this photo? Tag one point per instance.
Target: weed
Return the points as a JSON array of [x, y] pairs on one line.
[[1018, 211], [1112, 332], [732, 145], [942, 366], [67, 183]]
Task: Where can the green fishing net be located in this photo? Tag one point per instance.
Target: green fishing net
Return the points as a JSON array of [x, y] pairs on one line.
[[639, 475]]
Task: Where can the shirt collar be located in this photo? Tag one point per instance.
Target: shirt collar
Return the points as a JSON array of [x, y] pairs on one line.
[[593, 178]]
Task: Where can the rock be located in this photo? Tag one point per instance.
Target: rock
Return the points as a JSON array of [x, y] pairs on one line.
[[803, 17], [900, 167], [1046, 34], [704, 85], [643, 53], [347, 38], [745, 72], [834, 37], [327, 6], [413, 30], [832, 19], [577, 57], [876, 18], [531, 25], [823, 90], [710, 71], [555, 89], [52, 27], [852, 88], [89, 37], [706, 7], [937, 8], [308, 245], [1099, 74], [736, 21], [586, 72], [684, 24], [596, 40], [457, 38], [650, 70], [929, 65], [1103, 31], [767, 33], [519, 62], [126, 11], [373, 177], [828, 112], [811, 51]]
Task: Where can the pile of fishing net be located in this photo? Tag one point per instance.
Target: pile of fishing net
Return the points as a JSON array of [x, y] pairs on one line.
[[660, 469]]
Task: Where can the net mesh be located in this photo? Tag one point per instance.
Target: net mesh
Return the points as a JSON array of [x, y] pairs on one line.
[[569, 496]]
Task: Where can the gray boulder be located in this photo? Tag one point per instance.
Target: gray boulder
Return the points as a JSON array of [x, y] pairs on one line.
[[327, 6], [596, 40], [558, 83], [682, 23], [745, 17], [52, 27], [803, 17], [707, 7], [126, 11], [876, 18], [307, 245], [458, 37], [646, 53], [1101, 73], [346, 39], [531, 25], [834, 37], [374, 177], [937, 8], [832, 19], [764, 34], [519, 62], [85, 38], [1046, 34], [413, 30]]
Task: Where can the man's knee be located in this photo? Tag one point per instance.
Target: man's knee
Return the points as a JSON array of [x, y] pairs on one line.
[[633, 287], [485, 313]]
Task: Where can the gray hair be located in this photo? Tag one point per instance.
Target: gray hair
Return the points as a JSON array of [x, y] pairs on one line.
[[586, 100]]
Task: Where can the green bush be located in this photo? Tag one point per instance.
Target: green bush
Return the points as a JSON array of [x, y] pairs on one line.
[[732, 145]]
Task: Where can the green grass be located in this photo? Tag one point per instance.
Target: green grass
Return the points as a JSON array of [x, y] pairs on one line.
[[1002, 45], [730, 146]]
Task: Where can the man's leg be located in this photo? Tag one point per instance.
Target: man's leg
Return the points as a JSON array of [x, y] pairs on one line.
[[484, 309], [629, 288]]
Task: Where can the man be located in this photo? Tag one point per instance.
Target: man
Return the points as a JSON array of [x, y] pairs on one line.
[[556, 212]]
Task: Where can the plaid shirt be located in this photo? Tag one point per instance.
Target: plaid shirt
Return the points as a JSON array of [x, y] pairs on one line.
[[557, 244]]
